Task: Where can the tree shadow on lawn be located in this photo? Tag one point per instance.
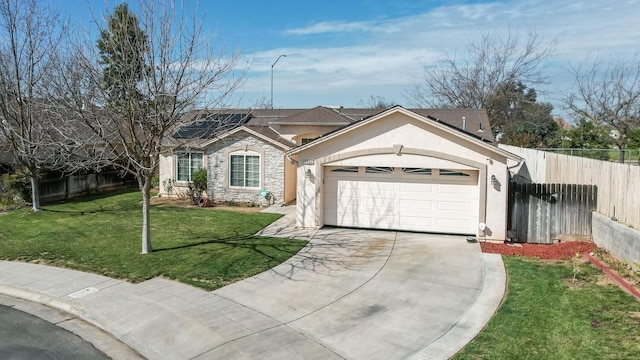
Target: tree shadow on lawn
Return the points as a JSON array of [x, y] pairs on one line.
[[327, 256], [239, 241]]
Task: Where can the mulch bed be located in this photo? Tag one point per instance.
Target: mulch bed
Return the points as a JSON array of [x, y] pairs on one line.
[[563, 250]]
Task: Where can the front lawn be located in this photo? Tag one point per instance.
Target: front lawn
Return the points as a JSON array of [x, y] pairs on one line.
[[207, 248], [548, 315]]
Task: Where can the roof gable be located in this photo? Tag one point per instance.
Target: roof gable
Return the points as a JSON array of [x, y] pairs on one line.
[[264, 133], [429, 120]]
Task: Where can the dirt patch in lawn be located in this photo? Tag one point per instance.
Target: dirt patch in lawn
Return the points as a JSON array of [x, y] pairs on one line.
[[186, 203]]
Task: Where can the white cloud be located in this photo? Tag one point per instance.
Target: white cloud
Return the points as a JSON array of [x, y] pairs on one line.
[[340, 26], [384, 58]]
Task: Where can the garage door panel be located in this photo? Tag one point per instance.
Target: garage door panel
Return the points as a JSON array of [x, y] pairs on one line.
[[381, 222], [418, 220], [456, 189], [371, 208], [415, 205], [454, 206], [416, 196], [377, 206], [452, 224], [357, 220], [417, 188], [376, 186], [399, 201]]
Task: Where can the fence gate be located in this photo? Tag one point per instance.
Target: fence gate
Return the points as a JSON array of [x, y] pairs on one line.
[[540, 213]]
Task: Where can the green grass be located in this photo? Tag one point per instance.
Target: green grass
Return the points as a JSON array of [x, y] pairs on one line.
[[207, 248], [546, 315]]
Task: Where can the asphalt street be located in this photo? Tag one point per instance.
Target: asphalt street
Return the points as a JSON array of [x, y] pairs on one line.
[[25, 336]]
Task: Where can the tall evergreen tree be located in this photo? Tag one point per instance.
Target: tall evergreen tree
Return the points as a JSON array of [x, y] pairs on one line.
[[122, 47]]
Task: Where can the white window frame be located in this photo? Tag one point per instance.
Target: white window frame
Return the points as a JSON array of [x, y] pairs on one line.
[[245, 154], [191, 167]]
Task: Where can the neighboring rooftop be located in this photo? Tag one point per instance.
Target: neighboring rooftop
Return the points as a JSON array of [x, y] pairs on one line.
[[207, 124]]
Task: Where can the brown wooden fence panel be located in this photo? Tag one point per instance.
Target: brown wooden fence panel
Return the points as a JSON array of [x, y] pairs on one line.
[[541, 213], [617, 184], [76, 185]]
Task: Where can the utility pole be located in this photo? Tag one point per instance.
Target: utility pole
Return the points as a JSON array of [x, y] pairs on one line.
[[272, 65]]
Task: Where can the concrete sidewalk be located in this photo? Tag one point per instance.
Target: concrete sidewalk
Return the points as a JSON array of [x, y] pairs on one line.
[[350, 294]]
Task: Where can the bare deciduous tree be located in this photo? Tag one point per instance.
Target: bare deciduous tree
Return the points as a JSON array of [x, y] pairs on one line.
[[488, 66], [608, 94], [376, 102], [135, 87], [31, 35]]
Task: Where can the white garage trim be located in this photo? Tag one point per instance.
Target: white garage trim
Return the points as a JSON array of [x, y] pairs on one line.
[[413, 199]]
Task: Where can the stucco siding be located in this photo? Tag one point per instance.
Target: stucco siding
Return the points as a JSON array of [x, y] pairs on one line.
[[296, 132], [422, 145]]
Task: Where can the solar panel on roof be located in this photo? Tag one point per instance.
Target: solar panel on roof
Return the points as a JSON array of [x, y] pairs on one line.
[[213, 125]]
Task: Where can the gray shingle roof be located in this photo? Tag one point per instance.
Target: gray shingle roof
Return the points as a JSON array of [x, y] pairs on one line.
[[206, 124], [316, 115]]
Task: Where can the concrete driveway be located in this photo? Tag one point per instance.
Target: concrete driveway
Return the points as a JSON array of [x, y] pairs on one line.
[[364, 294]]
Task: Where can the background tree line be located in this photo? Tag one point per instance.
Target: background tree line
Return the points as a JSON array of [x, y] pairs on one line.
[[499, 73]]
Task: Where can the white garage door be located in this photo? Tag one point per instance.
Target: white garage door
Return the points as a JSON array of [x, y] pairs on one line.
[[414, 199]]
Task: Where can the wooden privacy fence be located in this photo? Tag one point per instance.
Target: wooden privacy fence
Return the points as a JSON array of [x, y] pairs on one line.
[[76, 185], [540, 213], [617, 184]]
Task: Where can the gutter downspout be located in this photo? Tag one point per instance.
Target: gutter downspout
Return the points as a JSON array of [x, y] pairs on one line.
[[292, 160]]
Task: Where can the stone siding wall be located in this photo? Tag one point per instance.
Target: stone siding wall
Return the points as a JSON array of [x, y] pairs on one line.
[[271, 166]]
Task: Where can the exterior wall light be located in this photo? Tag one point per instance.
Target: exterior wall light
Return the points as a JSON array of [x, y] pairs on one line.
[[307, 174], [494, 181]]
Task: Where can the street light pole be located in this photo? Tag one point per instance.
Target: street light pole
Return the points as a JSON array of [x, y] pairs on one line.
[[272, 65]]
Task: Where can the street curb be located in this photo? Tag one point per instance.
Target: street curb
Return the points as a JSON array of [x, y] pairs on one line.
[[50, 301], [68, 307]]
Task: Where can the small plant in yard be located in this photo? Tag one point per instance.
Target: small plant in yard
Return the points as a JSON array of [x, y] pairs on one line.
[[622, 267], [576, 265], [155, 181], [198, 185], [16, 190]]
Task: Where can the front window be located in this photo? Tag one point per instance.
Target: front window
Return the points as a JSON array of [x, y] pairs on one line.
[[244, 171], [188, 162]]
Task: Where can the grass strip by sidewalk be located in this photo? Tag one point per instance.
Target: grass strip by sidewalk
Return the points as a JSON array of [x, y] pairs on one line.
[[546, 315], [207, 248]]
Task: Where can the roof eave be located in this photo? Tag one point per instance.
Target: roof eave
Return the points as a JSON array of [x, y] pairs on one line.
[[250, 131], [343, 123]]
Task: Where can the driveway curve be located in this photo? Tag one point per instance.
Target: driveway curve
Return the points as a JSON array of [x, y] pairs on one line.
[[365, 294]]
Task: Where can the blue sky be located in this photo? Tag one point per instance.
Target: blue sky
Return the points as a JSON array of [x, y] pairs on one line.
[[342, 52]]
